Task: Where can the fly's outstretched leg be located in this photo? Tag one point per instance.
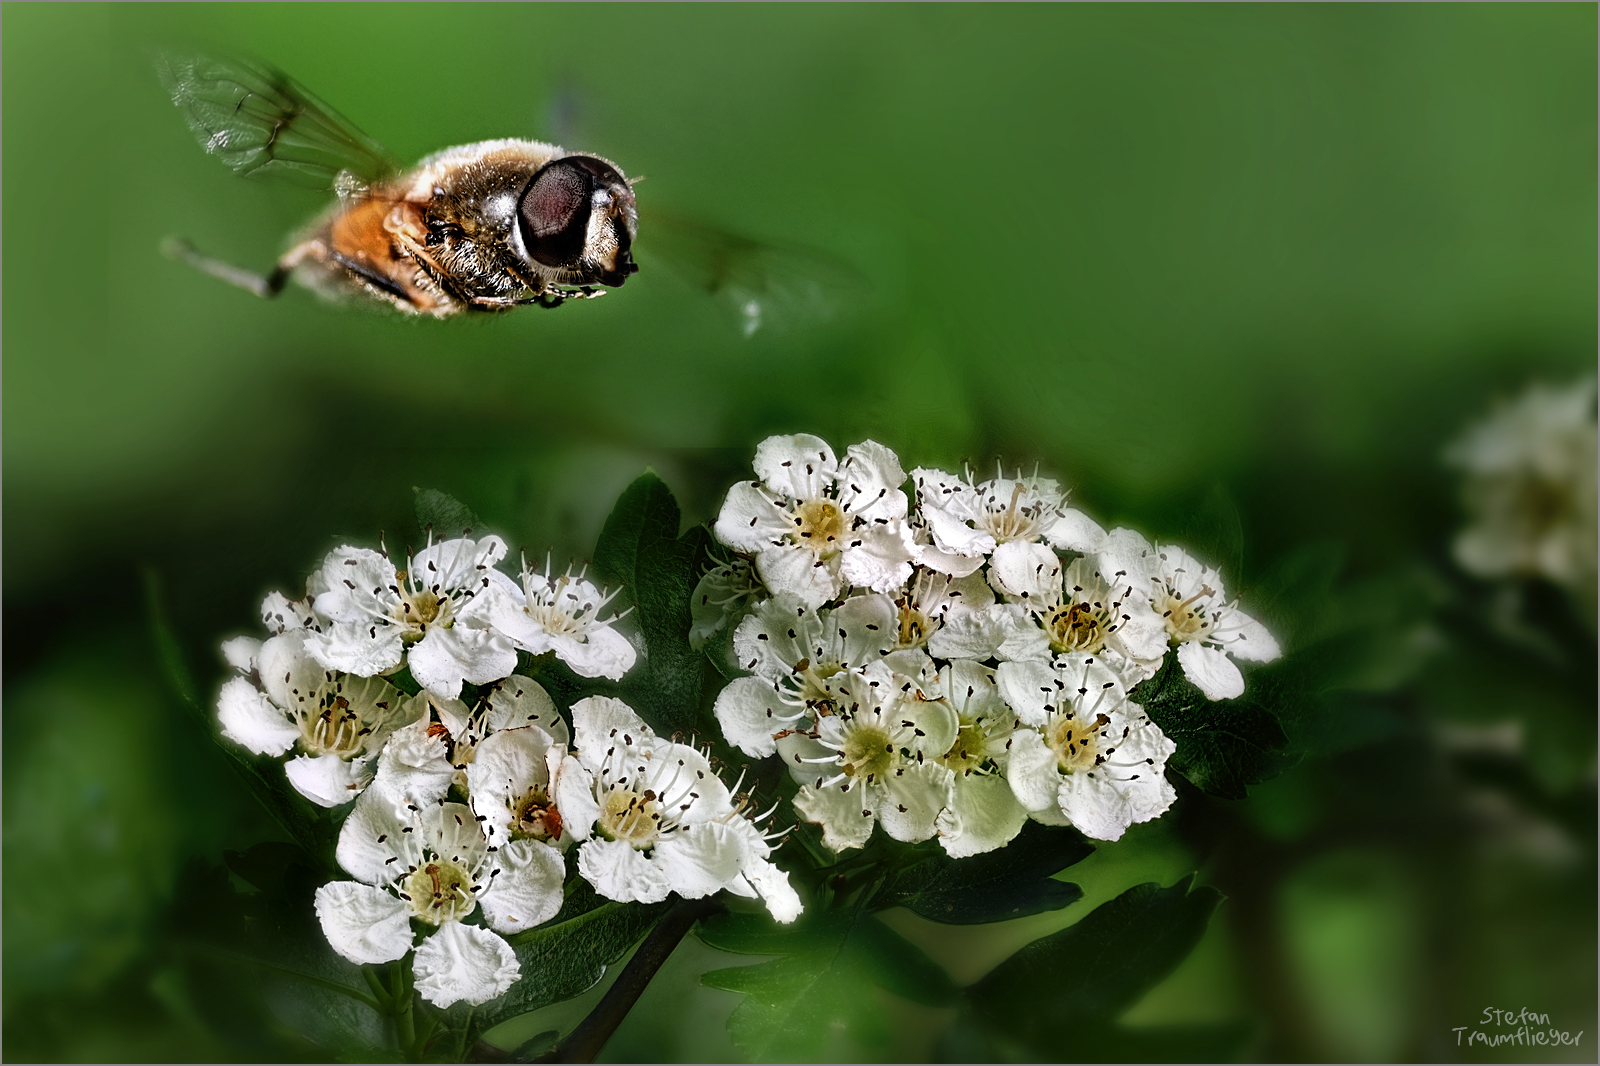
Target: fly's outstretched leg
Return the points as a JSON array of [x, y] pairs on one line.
[[265, 286]]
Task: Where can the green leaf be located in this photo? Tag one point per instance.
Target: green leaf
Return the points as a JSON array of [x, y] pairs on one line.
[[1223, 745], [271, 938], [1059, 988], [566, 958], [445, 515], [640, 549], [968, 1041], [829, 962], [1009, 882]]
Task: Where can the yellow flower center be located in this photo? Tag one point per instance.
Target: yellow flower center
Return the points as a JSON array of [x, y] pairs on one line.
[[1014, 523], [819, 525], [1185, 621], [968, 752], [1075, 742], [336, 731], [440, 892], [914, 627], [420, 608], [868, 752], [1078, 627], [631, 816]]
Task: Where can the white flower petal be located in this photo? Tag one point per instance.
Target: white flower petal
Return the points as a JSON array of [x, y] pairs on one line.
[[364, 924], [464, 962], [603, 653], [772, 884], [797, 466], [240, 653], [984, 815], [982, 633], [361, 648], [599, 721], [878, 559], [870, 478], [328, 780], [1075, 531], [456, 564], [935, 720], [864, 626], [250, 719], [373, 846], [1031, 689], [413, 769], [1029, 573], [749, 521], [702, 859], [1245, 637], [952, 534], [351, 577], [913, 797], [797, 572], [846, 817], [444, 658], [1211, 671], [520, 701], [280, 614], [619, 872], [750, 712], [797, 750], [1032, 770], [575, 800], [527, 890]]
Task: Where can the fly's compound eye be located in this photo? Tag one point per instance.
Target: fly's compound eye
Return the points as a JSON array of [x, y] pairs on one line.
[[554, 215], [556, 210]]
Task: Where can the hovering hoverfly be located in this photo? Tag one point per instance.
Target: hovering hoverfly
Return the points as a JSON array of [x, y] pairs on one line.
[[485, 227]]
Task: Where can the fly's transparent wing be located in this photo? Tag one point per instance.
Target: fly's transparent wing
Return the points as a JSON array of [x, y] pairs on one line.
[[767, 286], [258, 120]]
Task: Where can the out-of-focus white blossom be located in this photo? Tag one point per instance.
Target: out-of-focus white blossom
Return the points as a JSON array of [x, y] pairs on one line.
[[1530, 487]]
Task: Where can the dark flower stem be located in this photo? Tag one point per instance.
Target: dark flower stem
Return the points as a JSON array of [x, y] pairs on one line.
[[586, 1041]]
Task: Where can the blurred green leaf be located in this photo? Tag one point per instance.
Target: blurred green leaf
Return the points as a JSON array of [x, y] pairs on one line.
[[1223, 745], [1055, 994], [273, 936], [444, 515], [829, 962], [640, 549], [1010, 882], [966, 1040]]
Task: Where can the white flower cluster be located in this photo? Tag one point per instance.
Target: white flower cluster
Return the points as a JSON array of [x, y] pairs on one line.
[[1530, 487], [463, 812], [960, 666]]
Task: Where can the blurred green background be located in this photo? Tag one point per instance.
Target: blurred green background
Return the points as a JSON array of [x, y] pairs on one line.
[[1256, 262]]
